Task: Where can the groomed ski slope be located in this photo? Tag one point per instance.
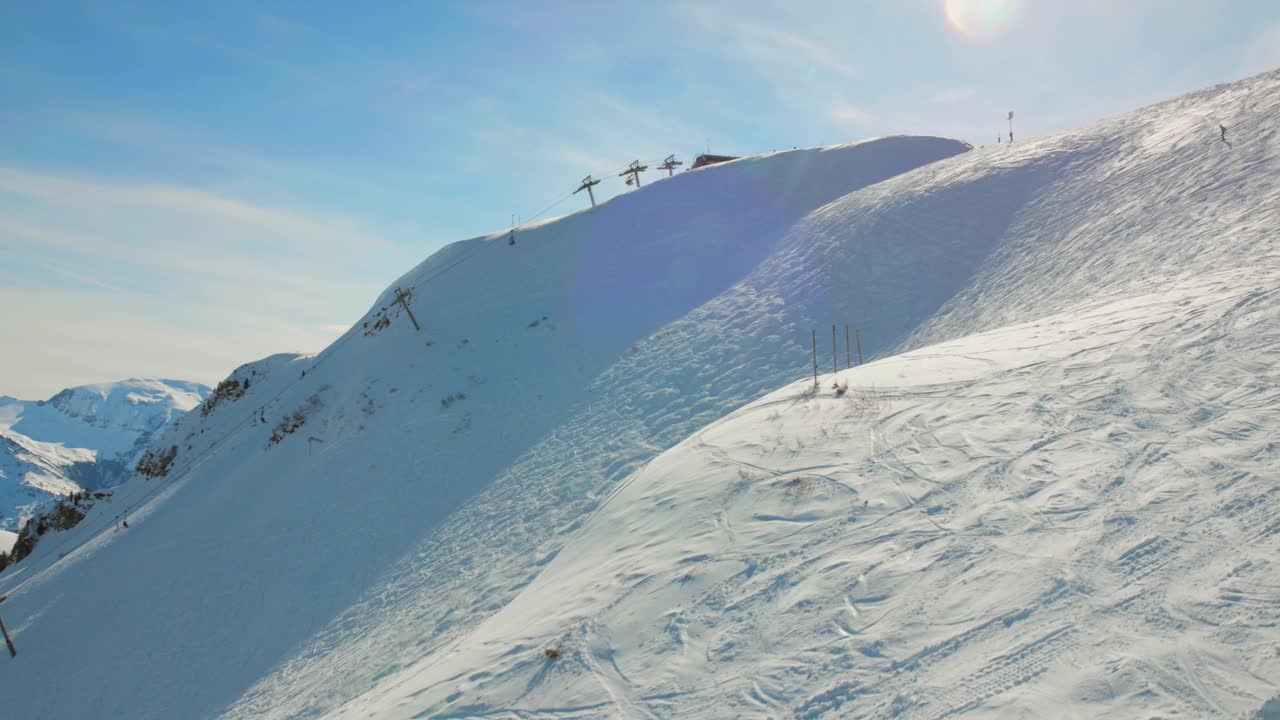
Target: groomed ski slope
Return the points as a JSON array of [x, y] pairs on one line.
[[469, 488], [1073, 517]]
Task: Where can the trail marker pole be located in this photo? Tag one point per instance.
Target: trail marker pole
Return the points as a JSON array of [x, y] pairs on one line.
[[13, 652], [815, 358], [834, 368], [403, 298], [634, 171], [1010, 126], [669, 164], [587, 184], [848, 363], [857, 336]]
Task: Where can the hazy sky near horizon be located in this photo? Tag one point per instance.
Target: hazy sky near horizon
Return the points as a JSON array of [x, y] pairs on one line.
[[185, 187]]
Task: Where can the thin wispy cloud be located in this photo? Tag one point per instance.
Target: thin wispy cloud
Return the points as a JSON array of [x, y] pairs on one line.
[[248, 279], [849, 115], [1263, 53], [81, 194], [767, 49], [262, 174]]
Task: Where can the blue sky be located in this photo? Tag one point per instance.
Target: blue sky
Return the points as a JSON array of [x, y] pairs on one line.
[[188, 186]]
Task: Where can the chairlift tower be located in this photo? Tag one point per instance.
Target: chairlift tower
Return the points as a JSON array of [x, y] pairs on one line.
[[634, 171], [670, 164], [587, 184]]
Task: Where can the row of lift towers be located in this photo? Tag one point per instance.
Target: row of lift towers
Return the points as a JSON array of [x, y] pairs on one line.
[[633, 171]]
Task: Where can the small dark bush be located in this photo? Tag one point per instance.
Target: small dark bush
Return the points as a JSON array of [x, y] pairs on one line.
[[288, 426], [381, 324]]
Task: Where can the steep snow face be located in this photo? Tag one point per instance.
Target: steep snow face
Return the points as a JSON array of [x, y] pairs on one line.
[[1076, 516], [468, 455], [85, 437], [328, 477], [1018, 233]]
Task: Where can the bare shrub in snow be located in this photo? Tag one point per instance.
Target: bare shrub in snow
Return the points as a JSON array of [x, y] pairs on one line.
[[290, 423], [799, 487], [867, 402], [287, 426], [381, 324], [552, 653]]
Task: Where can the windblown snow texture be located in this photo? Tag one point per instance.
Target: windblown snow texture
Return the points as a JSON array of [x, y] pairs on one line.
[[1057, 497]]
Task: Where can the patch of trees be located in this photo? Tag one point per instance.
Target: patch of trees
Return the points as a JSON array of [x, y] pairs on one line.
[[156, 463], [228, 390]]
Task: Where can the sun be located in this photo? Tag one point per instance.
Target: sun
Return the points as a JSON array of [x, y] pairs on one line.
[[980, 19]]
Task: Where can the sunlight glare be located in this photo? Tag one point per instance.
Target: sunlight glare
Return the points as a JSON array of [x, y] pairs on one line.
[[980, 19]]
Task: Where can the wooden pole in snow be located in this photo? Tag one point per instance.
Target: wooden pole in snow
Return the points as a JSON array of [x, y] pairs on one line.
[[834, 368], [848, 362], [403, 299], [857, 336], [815, 358], [13, 652]]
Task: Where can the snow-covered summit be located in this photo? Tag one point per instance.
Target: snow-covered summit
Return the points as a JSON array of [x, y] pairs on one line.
[[483, 466], [141, 405], [85, 437]]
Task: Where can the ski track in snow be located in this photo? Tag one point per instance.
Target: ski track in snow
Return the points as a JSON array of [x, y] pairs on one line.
[[1058, 498], [1065, 540]]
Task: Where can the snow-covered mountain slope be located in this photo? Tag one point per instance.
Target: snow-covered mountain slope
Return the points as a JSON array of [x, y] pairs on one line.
[[83, 438], [1077, 516], [472, 462], [255, 548]]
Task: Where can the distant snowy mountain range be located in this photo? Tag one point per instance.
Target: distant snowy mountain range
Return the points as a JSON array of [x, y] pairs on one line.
[[83, 438]]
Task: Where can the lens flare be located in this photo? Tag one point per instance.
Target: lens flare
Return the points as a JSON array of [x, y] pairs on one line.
[[980, 19]]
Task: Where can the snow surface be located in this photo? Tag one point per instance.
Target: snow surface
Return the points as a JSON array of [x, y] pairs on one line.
[[1079, 511], [86, 437], [1060, 500]]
